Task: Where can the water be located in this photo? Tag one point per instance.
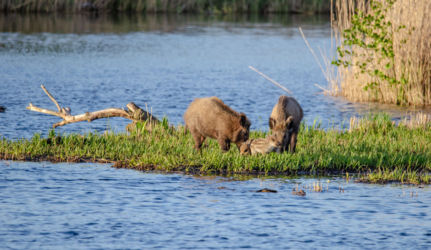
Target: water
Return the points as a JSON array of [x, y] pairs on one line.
[[166, 61], [90, 64], [89, 206]]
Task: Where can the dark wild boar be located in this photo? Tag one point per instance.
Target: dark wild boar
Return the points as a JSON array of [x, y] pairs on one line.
[[211, 117], [284, 122]]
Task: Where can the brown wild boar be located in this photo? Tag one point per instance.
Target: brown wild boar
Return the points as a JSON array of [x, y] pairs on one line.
[[284, 122], [261, 145], [211, 117]]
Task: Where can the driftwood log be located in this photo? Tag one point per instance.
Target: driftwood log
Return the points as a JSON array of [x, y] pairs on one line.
[[134, 113]]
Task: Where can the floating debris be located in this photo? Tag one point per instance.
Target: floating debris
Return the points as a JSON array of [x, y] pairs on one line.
[[266, 190], [300, 193], [225, 188], [2, 109]]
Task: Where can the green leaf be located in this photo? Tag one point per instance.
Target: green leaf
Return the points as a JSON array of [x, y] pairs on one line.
[[388, 65]]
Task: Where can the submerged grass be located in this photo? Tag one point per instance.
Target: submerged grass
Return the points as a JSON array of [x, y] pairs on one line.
[[397, 175], [395, 152]]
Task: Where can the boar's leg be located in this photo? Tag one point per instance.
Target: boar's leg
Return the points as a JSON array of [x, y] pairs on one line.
[[199, 139], [293, 140], [224, 144], [286, 142]]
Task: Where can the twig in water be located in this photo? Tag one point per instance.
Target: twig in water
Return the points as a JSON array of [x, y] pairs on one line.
[[271, 80], [324, 90]]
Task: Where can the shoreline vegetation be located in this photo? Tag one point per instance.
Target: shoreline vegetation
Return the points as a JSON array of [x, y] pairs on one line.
[[381, 52], [168, 6], [374, 147]]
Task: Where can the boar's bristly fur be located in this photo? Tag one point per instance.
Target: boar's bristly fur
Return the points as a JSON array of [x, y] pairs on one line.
[[284, 122], [211, 117], [262, 145]]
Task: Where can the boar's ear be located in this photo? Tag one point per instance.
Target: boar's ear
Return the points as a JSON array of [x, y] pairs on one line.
[[289, 120], [271, 123], [242, 119]]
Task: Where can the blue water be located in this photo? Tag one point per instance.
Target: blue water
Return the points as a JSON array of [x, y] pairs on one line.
[[162, 63], [90, 206], [90, 63]]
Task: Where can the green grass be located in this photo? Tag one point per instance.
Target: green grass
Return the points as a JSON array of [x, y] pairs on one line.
[[394, 152], [395, 175]]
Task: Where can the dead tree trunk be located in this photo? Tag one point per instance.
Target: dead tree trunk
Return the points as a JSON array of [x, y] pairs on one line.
[[134, 113]]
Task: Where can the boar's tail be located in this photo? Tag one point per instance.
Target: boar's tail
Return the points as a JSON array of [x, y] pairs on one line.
[[185, 129]]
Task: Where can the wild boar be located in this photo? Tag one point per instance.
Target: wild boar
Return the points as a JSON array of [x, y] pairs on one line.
[[261, 145], [284, 122], [211, 117]]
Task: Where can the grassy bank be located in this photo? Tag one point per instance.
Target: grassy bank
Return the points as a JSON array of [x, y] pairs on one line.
[[165, 6], [383, 51], [371, 143]]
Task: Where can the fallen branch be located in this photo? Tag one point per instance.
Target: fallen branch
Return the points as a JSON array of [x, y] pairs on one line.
[[133, 113]]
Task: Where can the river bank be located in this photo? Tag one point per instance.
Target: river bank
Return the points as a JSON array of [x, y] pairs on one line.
[[375, 146]]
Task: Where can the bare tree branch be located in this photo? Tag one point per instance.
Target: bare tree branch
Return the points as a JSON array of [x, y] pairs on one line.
[[45, 111], [134, 113], [52, 98]]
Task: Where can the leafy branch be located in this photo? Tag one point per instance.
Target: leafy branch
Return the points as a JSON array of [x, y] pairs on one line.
[[373, 34]]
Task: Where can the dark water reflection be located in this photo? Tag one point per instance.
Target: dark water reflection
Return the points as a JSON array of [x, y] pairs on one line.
[[166, 61], [88, 206]]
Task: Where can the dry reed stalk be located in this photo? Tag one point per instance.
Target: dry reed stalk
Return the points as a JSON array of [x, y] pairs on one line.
[[412, 60], [411, 121], [278, 85], [418, 120]]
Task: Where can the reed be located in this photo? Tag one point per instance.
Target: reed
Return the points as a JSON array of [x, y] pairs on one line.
[[171, 6], [376, 143], [383, 51]]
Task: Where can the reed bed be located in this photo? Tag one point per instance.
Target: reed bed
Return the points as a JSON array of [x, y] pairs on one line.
[[171, 6], [386, 51], [376, 143]]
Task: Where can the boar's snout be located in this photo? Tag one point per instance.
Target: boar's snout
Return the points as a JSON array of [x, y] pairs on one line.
[[245, 149], [273, 140], [244, 129], [245, 134], [280, 136]]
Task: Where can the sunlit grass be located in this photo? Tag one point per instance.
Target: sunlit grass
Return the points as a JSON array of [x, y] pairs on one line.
[[395, 152]]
